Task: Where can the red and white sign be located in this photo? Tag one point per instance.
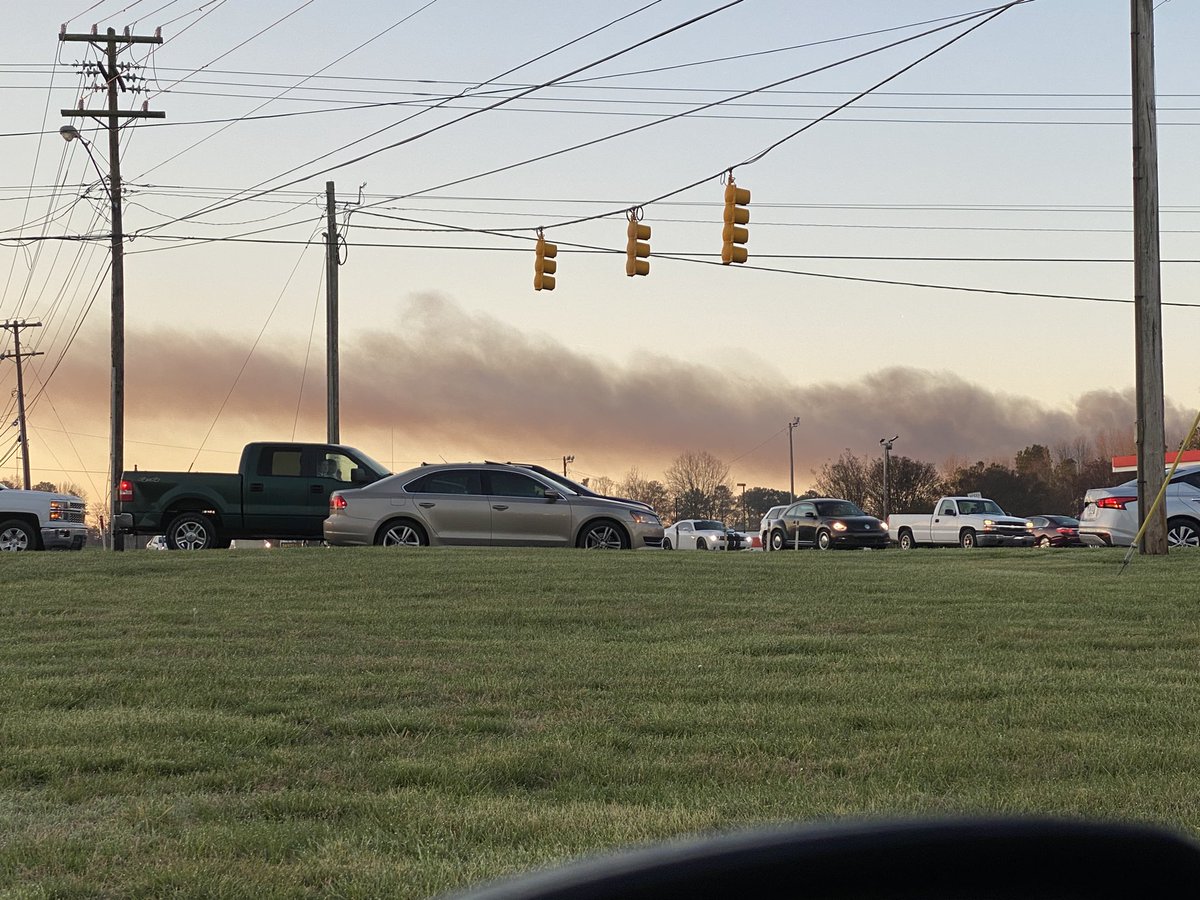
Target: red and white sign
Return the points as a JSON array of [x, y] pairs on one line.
[[1129, 463]]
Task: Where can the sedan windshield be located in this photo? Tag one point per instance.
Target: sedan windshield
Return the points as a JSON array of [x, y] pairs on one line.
[[709, 525], [838, 508]]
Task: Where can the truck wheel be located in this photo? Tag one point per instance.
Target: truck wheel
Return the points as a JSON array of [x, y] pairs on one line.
[[906, 541], [778, 541], [401, 533], [824, 541], [1182, 533], [191, 531], [16, 535], [966, 540]]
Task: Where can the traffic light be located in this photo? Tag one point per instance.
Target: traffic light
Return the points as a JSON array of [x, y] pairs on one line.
[[637, 250], [544, 266], [736, 215]]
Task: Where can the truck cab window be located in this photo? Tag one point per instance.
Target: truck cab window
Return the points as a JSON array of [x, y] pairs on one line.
[[281, 461]]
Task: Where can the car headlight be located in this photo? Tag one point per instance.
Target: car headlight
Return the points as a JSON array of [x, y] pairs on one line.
[[988, 523], [838, 526], [883, 526], [1029, 525], [644, 518]]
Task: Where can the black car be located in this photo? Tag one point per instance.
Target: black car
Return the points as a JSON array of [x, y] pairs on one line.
[[827, 523], [1055, 531]]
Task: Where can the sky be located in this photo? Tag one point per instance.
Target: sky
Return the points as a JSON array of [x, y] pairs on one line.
[[947, 257]]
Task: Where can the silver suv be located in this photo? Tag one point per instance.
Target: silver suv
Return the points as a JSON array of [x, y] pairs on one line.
[[1110, 519], [485, 504]]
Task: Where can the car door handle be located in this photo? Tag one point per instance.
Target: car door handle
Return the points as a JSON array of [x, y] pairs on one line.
[[256, 487], [316, 488], [428, 504], [499, 506]]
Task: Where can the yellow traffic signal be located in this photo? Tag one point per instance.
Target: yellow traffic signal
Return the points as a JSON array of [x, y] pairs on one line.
[[636, 250], [544, 265], [736, 215]]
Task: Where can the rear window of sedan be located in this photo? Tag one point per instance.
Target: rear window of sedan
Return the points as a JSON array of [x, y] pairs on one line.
[[451, 481]]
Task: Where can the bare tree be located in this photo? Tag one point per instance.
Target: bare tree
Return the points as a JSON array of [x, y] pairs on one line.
[[694, 480], [849, 477], [635, 487]]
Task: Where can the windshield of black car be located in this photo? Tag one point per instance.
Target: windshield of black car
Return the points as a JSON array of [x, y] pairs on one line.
[[838, 508]]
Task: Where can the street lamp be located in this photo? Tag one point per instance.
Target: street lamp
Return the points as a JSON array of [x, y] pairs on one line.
[[71, 133], [745, 517], [567, 460], [791, 457], [887, 449]]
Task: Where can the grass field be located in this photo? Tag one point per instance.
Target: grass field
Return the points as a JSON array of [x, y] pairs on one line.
[[361, 723]]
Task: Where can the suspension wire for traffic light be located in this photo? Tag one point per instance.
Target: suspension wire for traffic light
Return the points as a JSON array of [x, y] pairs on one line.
[[472, 113], [990, 15]]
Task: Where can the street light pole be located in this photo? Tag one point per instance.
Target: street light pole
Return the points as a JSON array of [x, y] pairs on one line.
[[791, 458], [887, 449]]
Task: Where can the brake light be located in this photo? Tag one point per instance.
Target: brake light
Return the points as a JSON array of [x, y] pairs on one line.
[[337, 502], [125, 491], [1115, 502], [1065, 530]]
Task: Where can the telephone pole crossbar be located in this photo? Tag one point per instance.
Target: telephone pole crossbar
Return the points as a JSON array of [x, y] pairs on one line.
[[115, 83]]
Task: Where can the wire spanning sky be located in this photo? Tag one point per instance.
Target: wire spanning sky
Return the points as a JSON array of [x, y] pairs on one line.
[[940, 235]]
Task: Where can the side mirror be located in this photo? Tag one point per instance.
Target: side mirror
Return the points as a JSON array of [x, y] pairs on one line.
[[810, 515], [949, 512], [553, 495], [360, 476]]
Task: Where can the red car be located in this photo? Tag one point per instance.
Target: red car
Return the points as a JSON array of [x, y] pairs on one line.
[[1055, 531]]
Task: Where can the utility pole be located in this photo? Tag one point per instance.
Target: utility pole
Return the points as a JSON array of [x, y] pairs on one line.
[[566, 460], [1151, 437], [115, 81], [15, 326], [887, 449], [791, 458], [332, 375]]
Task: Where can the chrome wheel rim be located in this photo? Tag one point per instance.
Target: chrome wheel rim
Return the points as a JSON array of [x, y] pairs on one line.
[[604, 537], [14, 540], [191, 536], [1183, 536], [401, 536]]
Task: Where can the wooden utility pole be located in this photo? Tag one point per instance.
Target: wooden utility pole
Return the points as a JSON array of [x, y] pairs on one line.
[[332, 375], [1151, 437], [15, 326], [115, 82]]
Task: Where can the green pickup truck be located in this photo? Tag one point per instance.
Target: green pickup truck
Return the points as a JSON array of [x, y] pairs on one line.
[[280, 491]]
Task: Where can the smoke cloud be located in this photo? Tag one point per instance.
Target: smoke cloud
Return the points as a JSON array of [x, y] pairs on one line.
[[443, 381]]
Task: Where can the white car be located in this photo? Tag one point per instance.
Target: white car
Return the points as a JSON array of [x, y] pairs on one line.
[[772, 515], [695, 534], [1110, 518]]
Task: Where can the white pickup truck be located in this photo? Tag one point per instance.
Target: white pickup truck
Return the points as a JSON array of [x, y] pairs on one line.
[[41, 520], [962, 521]]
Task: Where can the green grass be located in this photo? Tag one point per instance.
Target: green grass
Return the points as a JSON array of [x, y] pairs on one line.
[[363, 723]]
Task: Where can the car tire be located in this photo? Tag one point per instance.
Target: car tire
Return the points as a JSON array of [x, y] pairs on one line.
[[701, 544], [967, 539], [191, 531], [401, 533], [905, 540], [667, 545], [603, 534], [1182, 533], [1045, 543], [824, 540], [17, 536], [778, 540]]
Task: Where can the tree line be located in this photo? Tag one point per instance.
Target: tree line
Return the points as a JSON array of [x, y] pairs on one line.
[[1038, 480]]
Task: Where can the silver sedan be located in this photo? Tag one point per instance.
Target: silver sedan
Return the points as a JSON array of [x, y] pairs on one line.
[[484, 504]]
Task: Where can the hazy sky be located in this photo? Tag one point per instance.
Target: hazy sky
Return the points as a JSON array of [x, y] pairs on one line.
[[999, 163]]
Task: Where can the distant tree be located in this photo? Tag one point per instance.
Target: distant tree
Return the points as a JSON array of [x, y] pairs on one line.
[[1034, 461], [913, 486], [848, 477], [46, 486], [10, 483], [70, 487], [601, 484], [760, 499], [693, 481], [635, 487]]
